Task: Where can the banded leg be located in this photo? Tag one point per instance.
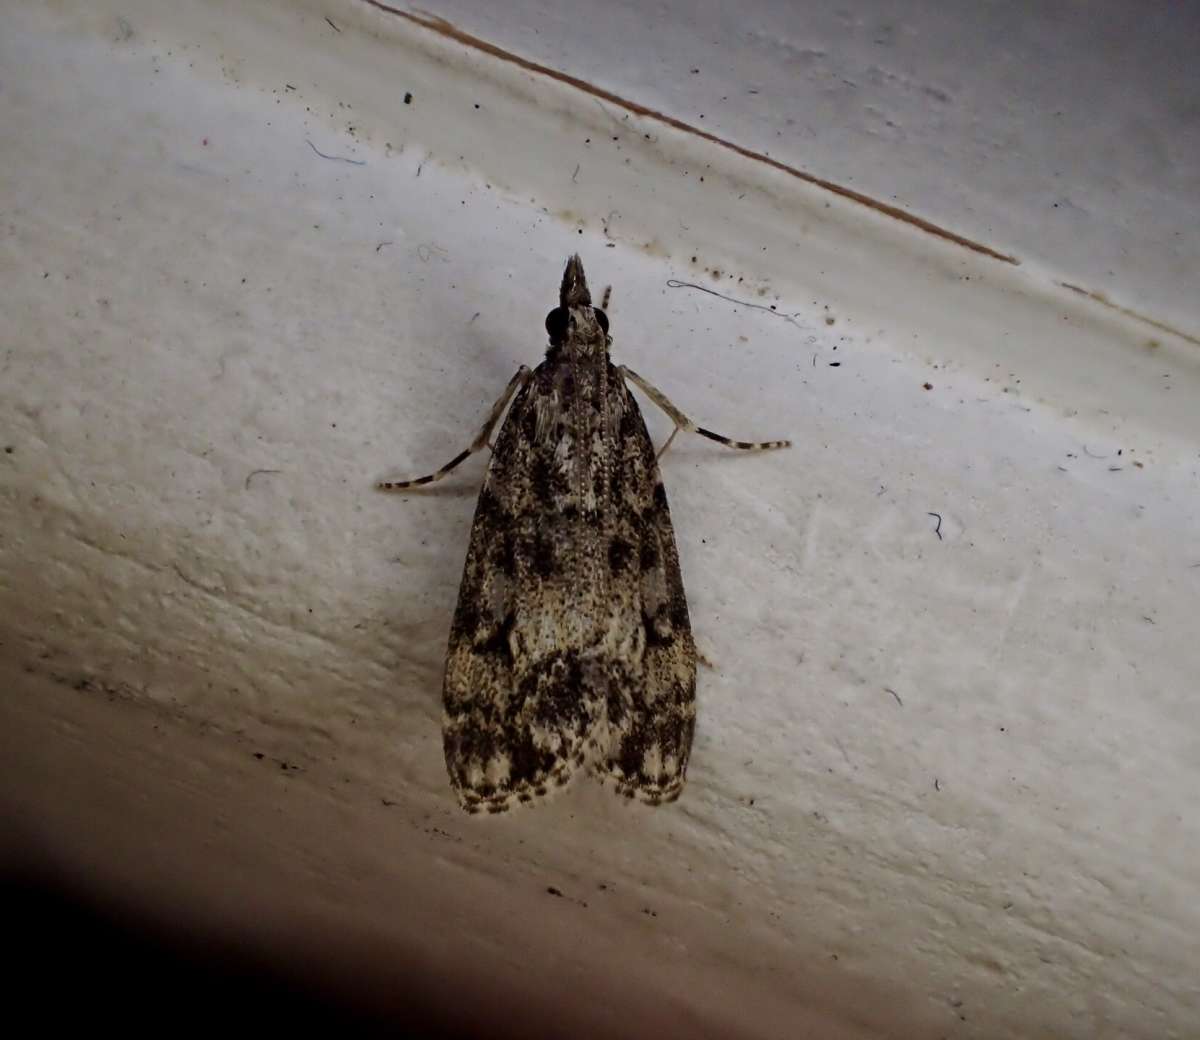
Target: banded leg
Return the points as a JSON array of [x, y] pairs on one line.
[[682, 422], [514, 384]]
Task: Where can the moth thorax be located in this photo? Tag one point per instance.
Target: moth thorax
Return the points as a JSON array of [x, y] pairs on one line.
[[587, 337]]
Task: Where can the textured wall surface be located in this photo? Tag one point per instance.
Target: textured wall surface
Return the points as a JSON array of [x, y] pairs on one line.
[[944, 771], [1068, 133]]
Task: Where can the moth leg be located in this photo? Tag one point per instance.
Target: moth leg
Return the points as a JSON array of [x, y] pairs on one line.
[[605, 298], [516, 383], [682, 422]]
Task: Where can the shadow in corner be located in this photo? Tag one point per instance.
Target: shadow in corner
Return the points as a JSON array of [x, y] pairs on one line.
[[73, 962]]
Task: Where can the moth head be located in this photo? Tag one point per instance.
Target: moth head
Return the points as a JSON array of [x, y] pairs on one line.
[[574, 291], [575, 313]]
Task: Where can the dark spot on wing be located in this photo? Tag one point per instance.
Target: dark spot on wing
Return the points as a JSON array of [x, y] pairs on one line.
[[679, 611], [631, 754], [504, 554], [553, 691], [648, 558], [528, 764], [571, 688], [528, 425], [629, 421], [616, 481], [497, 643], [615, 704], [658, 630], [619, 554], [488, 507], [542, 555], [541, 476], [466, 618]]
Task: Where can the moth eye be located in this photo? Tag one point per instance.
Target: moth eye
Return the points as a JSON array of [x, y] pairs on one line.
[[602, 318], [556, 324]]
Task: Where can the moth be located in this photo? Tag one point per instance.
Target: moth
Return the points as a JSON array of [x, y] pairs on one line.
[[571, 644]]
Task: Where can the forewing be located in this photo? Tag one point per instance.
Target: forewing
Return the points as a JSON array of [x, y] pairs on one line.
[[645, 737], [517, 706]]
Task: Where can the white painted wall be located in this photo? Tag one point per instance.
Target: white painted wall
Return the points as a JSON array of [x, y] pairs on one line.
[[941, 786], [1066, 133]]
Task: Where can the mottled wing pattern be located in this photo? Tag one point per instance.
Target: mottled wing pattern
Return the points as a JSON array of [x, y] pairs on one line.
[[571, 638], [571, 641], [517, 704], [650, 716]]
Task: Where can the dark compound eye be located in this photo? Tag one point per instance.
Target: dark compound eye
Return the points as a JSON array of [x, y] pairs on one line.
[[556, 324], [559, 320]]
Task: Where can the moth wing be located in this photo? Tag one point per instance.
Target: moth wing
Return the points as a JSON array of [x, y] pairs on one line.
[[650, 714], [515, 714]]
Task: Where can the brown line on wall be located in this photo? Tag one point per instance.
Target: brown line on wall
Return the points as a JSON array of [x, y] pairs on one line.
[[452, 32], [444, 28], [1101, 298]]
